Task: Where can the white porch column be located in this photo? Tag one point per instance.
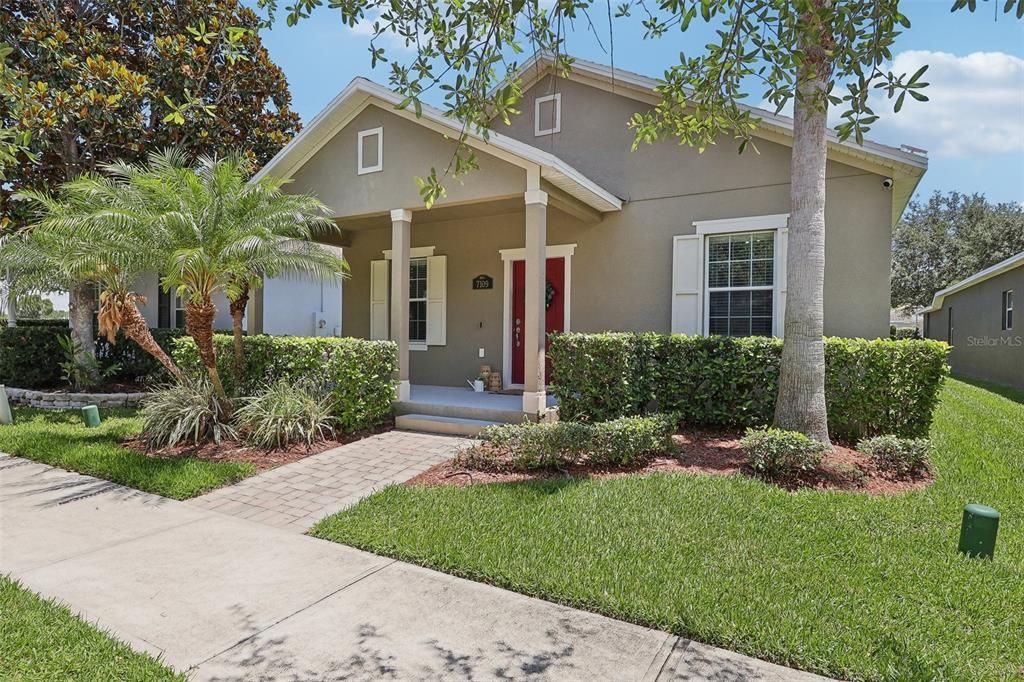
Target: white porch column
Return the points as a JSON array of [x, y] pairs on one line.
[[401, 223], [534, 399]]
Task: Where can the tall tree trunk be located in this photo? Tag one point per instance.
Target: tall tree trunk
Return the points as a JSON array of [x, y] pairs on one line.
[[81, 311], [134, 326], [237, 311], [801, 401], [199, 325]]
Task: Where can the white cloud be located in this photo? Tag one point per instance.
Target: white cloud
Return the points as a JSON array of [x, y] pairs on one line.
[[976, 104]]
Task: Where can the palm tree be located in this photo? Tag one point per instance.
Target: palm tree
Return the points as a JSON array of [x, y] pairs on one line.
[[88, 235], [216, 233]]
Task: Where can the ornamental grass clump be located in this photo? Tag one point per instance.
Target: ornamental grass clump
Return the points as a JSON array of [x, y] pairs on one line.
[[900, 456], [781, 456], [286, 414], [187, 411]]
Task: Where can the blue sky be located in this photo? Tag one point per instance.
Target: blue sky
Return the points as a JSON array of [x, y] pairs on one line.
[[973, 127]]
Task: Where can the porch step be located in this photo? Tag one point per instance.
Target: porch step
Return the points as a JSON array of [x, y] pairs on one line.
[[430, 423], [482, 414]]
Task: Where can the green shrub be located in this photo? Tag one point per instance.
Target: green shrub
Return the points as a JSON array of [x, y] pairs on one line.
[[82, 372], [528, 446], [136, 364], [900, 456], [285, 414], [871, 387], [779, 455], [903, 333], [30, 355], [355, 372], [184, 412]]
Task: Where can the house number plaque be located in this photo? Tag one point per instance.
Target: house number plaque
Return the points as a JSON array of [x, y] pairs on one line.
[[483, 282]]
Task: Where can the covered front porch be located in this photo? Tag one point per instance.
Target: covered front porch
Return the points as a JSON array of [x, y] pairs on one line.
[[461, 411]]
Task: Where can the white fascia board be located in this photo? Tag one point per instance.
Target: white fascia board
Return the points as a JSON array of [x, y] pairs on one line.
[[978, 277]]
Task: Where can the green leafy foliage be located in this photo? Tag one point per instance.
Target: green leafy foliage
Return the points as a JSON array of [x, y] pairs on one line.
[[285, 414], [901, 456], [30, 355], [183, 412], [871, 387], [903, 333], [528, 446], [136, 364], [779, 455], [83, 371], [357, 373], [948, 238]]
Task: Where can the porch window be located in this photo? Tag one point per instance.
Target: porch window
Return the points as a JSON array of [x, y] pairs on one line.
[[741, 284], [170, 310], [418, 300]]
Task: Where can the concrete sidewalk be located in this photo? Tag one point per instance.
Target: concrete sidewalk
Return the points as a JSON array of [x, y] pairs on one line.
[[229, 599]]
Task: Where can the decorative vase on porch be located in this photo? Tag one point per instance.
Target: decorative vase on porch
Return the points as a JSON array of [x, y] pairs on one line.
[[494, 381]]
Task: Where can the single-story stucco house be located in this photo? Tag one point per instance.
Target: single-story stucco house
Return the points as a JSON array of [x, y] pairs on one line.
[[975, 316], [565, 227]]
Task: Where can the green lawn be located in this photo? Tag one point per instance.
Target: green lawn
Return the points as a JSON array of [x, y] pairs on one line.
[[41, 640], [838, 583], [59, 438]]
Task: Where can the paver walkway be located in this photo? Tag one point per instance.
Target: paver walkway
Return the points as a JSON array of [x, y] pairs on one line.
[[297, 495], [228, 599]]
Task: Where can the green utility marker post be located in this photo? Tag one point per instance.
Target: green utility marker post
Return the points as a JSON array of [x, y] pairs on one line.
[[91, 415], [5, 407], [978, 531]]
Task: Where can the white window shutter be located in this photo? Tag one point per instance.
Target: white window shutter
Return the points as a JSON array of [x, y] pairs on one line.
[[687, 284], [379, 272], [437, 304], [781, 256]]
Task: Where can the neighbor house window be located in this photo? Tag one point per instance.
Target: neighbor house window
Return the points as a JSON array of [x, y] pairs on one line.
[[1008, 309], [370, 151], [741, 284], [418, 300], [547, 114], [949, 327]]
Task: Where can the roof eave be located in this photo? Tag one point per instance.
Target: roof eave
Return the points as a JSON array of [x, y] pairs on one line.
[[999, 268]]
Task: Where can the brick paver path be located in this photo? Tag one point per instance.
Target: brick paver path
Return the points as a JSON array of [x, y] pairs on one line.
[[297, 495]]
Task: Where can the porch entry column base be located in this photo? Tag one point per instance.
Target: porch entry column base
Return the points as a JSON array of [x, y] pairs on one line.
[[402, 391], [401, 224], [534, 383], [535, 402]]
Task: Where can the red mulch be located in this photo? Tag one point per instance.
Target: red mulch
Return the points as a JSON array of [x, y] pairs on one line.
[[716, 453], [235, 451]]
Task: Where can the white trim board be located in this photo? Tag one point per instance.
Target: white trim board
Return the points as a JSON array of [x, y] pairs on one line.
[[508, 256], [988, 273], [379, 166], [556, 100], [414, 252]]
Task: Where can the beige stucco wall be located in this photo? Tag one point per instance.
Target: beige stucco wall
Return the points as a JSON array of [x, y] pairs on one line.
[[410, 150], [621, 270], [981, 349]]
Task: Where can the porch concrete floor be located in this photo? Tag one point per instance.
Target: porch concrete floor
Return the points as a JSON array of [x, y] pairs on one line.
[[466, 397]]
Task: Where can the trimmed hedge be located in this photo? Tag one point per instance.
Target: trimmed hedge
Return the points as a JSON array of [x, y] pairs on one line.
[[356, 372], [136, 364], [871, 387], [30, 355]]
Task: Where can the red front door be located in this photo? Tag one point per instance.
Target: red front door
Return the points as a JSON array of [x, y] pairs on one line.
[[554, 314]]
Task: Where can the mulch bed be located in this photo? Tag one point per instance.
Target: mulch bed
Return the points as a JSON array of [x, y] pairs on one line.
[[235, 451], [715, 453]]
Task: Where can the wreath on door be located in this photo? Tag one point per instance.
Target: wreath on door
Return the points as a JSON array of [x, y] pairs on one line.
[[549, 294]]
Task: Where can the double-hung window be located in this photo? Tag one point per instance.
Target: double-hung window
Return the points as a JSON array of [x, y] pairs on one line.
[[418, 300], [1008, 310], [741, 284]]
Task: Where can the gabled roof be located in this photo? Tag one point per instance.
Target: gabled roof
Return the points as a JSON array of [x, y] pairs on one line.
[[906, 166], [361, 93], [977, 278]]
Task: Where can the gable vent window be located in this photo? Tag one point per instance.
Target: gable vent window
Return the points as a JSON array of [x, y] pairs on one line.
[[1008, 310], [370, 152], [547, 114]]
